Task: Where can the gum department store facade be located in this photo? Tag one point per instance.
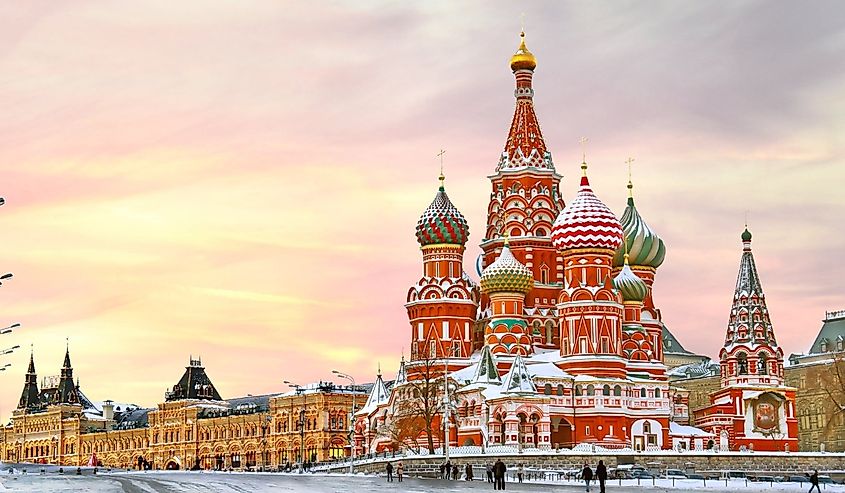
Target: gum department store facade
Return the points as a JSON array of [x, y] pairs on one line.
[[561, 343]]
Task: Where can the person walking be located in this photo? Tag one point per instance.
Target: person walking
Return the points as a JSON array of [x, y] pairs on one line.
[[400, 468], [389, 469], [519, 471], [448, 469], [489, 469], [601, 475], [814, 481], [499, 470], [587, 475], [468, 472]]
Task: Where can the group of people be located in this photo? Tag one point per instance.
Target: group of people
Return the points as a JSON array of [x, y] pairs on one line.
[[600, 475], [400, 469]]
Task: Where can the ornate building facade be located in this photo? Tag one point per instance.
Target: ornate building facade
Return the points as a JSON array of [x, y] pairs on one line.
[[193, 428], [561, 342]]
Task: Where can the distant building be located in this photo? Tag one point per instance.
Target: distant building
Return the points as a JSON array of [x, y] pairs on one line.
[[193, 428]]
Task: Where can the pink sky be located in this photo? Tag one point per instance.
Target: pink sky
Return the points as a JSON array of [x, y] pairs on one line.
[[241, 181]]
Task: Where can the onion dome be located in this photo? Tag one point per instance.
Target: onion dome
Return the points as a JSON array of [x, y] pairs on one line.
[[442, 222], [746, 235], [630, 285], [643, 244], [507, 274], [523, 59], [586, 222]]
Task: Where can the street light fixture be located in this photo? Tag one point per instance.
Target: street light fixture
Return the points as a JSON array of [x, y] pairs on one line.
[[351, 419], [2, 368], [300, 391], [9, 350], [10, 328]]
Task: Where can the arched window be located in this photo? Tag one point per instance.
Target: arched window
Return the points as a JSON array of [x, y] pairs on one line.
[[591, 390], [742, 364], [540, 232], [578, 390], [605, 390], [560, 389], [647, 427], [657, 393], [763, 364], [617, 391], [516, 232], [547, 389], [643, 392]]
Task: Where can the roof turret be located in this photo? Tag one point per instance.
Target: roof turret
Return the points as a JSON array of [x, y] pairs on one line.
[[518, 380], [586, 222], [442, 222], [507, 274], [643, 245], [629, 284]]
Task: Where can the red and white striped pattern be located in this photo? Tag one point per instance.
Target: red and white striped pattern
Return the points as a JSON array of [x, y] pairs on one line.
[[586, 223]]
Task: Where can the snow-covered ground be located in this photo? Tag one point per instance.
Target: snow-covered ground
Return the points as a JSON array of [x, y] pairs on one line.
[[196, 482]]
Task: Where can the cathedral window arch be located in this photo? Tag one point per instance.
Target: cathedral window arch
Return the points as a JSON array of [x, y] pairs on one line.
[[824, 345], [591, 390], [578, 390], [540, 232], [560, 389], [544, 269], [742, 364], [605, 391], [657, 393], [547, 389], [763, 364], [643, 392], [516, 232], [617, 391]]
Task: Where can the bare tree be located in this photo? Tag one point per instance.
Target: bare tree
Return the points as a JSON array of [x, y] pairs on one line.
[[415, 414], [832, 382]]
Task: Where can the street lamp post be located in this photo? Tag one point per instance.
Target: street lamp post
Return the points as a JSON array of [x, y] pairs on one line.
[[351, 420], [446, 410], [300, 391]]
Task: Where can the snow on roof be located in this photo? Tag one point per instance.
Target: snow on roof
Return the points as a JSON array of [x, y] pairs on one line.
[[684, 430], [518, 380], [378, 396], [486, 370]]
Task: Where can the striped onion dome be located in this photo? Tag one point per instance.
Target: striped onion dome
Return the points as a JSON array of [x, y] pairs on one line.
[[586, 222], [507, 274], [630, 285], [644, 246], [442, 222]]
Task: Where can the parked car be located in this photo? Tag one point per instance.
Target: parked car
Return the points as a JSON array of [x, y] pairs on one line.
[[640, 474], [764, 479], [826, 480], [798, 479], [695, 476], [675, 473]]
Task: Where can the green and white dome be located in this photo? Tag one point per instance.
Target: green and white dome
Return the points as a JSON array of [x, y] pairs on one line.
[[643, 245], [507, 274], [630, 285]]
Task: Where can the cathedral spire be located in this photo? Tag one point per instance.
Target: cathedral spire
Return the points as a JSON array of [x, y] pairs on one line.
[[525, 146], [68, 393], [29, 396], [749, 319]]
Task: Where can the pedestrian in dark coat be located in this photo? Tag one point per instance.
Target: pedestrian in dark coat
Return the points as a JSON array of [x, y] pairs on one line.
[[814, 481], [489, 470], [468, 472], [601, 475], [499, 470], [448, 469], [456, 472], [389, 469], [442, 467], [587, 475]]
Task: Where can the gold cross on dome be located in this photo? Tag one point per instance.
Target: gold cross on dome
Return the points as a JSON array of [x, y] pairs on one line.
[[440, 155], [629, 162], [583, 141]]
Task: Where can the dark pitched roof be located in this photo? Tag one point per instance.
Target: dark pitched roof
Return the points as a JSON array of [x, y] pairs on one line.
[[194, 384], [671, 343], [833, 330], [30, 396], [134, 418]]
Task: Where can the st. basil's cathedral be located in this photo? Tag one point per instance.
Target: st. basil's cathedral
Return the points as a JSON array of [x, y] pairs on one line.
[[561, 343]]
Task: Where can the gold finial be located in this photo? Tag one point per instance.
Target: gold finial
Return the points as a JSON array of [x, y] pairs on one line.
[[442, 177], [626, 253], [506, 236], [583, 141], [630, 161], [379, 368], [523, 59]]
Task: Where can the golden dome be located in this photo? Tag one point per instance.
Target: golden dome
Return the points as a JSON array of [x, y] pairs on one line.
[[523, 59]]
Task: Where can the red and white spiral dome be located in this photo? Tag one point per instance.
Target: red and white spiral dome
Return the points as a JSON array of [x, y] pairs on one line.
[[586, 223]]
